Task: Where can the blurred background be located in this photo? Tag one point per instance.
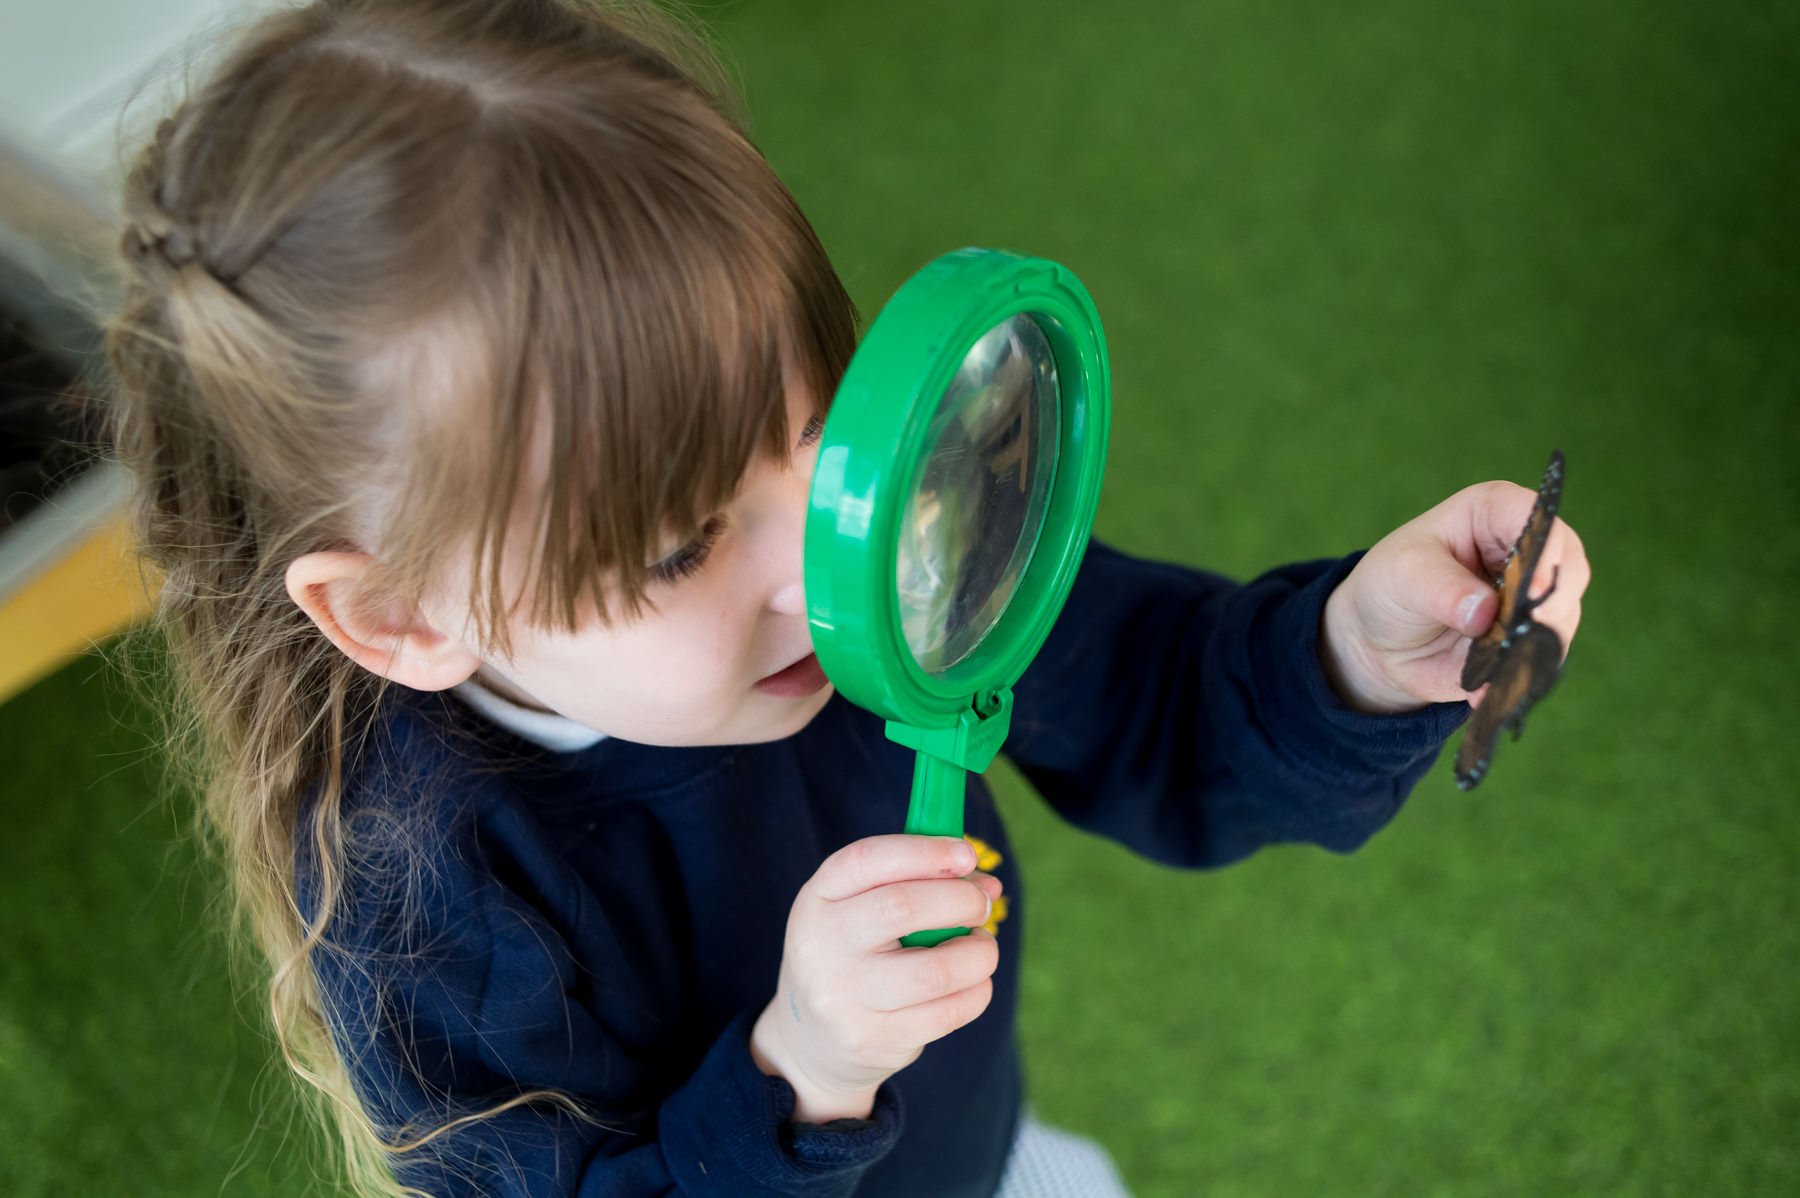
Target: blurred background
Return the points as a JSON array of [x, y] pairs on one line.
[[1350, 257]]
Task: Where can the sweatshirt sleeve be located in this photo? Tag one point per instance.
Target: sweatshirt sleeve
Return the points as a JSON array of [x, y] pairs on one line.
[[479, 996], [1188, 717]]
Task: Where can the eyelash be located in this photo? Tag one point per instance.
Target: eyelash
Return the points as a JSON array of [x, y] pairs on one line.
[[690, 557], [687, 560]]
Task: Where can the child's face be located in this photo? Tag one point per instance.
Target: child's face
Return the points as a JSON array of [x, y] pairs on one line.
[[685, 672]]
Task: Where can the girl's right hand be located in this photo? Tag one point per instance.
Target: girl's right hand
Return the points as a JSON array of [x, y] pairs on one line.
[[853, 1007]]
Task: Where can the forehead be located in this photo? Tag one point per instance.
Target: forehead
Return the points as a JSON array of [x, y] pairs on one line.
[[547, 494], [540, 451]]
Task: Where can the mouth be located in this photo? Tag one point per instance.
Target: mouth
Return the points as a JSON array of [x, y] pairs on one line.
[[804, 677]]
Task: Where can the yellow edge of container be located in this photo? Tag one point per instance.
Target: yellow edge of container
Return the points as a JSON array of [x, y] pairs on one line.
[[87, 595]]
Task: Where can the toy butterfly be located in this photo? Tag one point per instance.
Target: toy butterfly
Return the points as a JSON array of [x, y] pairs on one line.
[[1517, 657]]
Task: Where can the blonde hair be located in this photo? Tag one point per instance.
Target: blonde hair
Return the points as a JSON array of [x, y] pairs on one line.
[[386, 245]]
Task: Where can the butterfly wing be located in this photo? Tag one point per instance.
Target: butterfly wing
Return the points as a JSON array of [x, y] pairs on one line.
[[1522, 561], [1477, 748], [1524, 673], [1515, 577]]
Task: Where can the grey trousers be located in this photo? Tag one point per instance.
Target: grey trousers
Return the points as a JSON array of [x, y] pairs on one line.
[[1047, 1162]]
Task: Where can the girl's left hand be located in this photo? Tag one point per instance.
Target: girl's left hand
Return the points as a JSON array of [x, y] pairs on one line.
[[1396, 631]]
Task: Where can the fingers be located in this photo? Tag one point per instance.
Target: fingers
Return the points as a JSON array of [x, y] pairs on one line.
[[876, 861], [1566, 562], [1446, 591], [1394, 634], [878, 918], [1496, 515], [910, 976], [1480, 525], [852, 1005], [928, 1021]]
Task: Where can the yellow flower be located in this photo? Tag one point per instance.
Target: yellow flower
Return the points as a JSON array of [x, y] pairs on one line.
[[996, 916], [986, 859]]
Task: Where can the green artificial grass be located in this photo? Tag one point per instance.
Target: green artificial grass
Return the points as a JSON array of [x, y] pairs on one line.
[[1350, 258], [127, 1065]]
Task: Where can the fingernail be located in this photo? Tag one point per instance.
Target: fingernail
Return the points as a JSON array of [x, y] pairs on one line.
[[1466, 613], [965, 857], [990, 903]]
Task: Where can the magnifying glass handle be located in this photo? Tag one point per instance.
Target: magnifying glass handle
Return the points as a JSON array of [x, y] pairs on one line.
[[944, 758], [936, 809]]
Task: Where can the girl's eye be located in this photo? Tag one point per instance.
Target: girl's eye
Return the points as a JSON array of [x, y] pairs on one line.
[[690, 557], [688, 560]]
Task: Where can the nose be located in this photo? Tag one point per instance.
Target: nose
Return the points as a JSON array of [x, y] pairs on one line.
[[788, 597], [790, 600]]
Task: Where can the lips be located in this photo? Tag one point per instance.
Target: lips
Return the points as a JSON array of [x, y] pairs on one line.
[[802, 678]]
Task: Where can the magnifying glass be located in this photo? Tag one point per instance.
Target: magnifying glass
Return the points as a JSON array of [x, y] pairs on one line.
[[954, 490]]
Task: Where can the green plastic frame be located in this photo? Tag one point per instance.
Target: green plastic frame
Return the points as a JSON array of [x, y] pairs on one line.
[[870, 450], [869, 454]]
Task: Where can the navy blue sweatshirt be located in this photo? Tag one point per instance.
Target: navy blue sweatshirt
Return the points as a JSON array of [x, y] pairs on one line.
[[608, 922]]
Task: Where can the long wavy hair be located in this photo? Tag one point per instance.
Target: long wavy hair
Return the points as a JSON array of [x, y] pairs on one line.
[[382, 248]]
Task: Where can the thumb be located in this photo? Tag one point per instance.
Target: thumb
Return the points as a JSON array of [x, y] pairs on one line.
[[1453, 596]]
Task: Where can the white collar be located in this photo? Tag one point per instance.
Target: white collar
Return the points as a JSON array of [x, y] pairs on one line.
[[543, 728]]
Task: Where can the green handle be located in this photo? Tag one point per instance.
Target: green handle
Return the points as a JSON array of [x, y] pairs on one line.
[[945, 759], [936, 809]]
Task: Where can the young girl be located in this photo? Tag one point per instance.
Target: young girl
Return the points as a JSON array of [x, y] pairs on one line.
[[471, 347]]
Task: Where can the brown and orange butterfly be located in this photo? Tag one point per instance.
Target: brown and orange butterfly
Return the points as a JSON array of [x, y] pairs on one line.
[[1517, 657]]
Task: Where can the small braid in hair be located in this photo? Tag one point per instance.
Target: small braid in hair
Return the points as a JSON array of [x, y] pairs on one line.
[[156, 241]]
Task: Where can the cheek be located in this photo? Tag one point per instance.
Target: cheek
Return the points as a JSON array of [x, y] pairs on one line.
[[694, 654], [686, 665]]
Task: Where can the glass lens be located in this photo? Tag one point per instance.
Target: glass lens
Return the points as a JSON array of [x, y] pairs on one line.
[[978, 501]]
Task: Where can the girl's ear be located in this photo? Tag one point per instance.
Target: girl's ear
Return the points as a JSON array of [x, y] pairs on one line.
[[386, 637]]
